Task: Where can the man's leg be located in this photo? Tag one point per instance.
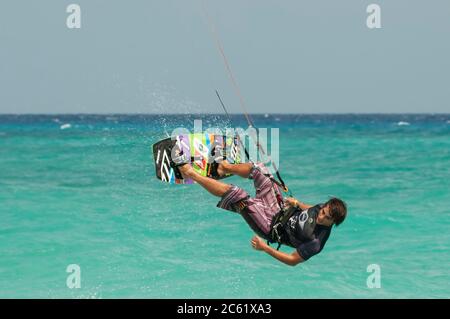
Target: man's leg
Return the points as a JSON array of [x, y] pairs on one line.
[[242, 170], [211, 185]]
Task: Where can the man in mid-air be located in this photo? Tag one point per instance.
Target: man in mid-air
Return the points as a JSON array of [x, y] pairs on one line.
[[306, 228]]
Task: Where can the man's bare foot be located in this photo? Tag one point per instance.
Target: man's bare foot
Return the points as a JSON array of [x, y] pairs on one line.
[[222, 169], [186, 170]]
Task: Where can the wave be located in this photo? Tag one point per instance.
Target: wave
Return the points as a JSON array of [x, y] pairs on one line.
[[65, 126]]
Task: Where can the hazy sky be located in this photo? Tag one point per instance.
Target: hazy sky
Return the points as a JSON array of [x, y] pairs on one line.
[[149, 56]]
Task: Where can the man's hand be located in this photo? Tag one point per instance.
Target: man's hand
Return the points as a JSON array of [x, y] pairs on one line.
[[289, 259], [291, 201], [258, 243]]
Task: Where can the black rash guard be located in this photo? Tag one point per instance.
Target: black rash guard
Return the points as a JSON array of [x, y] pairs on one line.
[[304, 234]]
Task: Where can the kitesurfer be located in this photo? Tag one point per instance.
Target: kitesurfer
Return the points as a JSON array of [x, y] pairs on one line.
[[284, 221]]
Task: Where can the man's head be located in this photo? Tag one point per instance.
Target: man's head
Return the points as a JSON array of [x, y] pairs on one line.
[[333, 212]]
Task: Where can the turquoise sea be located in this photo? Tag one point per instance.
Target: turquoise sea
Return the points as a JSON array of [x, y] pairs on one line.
[[81, 189]]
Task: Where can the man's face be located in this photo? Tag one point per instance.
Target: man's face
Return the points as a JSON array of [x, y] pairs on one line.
[[324, 217]]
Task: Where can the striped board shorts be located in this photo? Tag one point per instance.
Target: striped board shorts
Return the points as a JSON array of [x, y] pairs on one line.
[[261, 208]]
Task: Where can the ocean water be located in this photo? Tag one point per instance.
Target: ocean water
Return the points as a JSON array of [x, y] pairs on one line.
[[81, 189]]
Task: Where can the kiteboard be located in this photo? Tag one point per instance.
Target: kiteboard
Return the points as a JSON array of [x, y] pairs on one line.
[[201, 149]]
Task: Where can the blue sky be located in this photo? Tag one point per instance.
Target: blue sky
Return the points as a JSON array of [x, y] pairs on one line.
[[291, 56]]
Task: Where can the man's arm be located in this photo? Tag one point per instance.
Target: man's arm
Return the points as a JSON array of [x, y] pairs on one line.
[[289, 259], [295, 202]]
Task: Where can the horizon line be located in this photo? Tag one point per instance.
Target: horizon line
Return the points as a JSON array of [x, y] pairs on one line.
[[199, 113]]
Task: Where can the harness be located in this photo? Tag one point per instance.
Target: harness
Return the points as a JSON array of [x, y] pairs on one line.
[[277, 233]]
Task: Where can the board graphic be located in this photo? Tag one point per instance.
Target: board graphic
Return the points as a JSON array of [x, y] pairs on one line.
[[200, 148]]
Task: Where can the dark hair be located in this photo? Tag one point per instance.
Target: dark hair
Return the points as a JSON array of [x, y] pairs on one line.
[[338, 210]]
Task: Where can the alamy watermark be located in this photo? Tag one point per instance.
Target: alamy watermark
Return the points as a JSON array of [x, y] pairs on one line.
[[74, 278], [374, 279], [373, 20], [249, 144], [73, 20]]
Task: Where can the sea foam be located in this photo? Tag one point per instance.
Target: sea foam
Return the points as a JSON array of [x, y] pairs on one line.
[[65, 126]]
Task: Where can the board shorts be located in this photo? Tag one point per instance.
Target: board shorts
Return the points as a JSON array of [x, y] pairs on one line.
[[259, 210]]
